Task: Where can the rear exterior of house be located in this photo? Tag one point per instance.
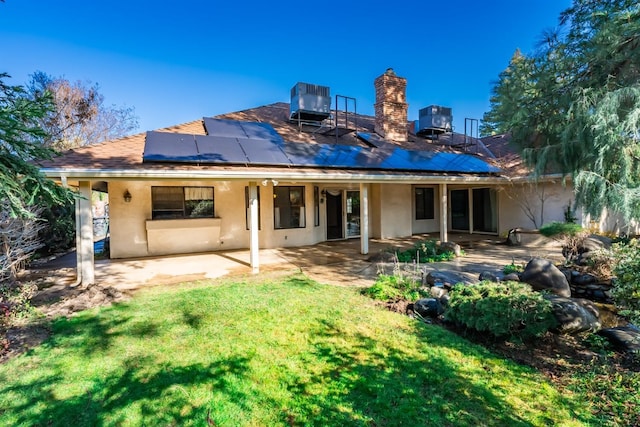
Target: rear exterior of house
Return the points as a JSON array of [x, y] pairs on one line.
[[299, 174]]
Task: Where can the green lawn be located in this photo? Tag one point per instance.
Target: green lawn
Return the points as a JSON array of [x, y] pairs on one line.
[[282, 352]]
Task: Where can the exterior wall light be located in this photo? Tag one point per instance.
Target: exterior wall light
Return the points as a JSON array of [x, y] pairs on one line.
[[127, 196]]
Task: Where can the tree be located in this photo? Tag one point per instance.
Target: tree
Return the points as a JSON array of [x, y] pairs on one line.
[[573, 106], [79, 116], [21, 183]]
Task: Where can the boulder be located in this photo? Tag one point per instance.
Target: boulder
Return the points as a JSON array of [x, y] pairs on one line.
[[440, 293], [542, 275], [584, 279], [511, 277], [626, 338], [428, 307], [593, 243], [452, 247], [448, 278], [489, 276], [574, 315]]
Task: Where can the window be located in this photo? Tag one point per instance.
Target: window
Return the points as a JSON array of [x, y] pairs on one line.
[[181, 202], [247, 207], [288, 207], [424, 203]]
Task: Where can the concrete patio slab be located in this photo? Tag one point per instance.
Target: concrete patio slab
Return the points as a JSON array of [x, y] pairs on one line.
[[336, 262]]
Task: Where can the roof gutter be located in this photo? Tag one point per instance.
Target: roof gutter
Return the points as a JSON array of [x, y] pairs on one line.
[[315, 176]]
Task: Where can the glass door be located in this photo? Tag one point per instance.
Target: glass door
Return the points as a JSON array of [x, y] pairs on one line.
[[460, 209], [353, 213], [334, 215]]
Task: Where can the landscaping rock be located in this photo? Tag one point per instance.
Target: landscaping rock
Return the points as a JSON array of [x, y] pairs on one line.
[[583, 279], [593, 243], [448, 278], [542, 275], [452, 247], [489, 276], [428, 307], [625, 338], [438, 292], [575, 315], [511, 277]]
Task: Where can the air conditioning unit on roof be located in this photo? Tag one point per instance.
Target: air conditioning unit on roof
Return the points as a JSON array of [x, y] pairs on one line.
[[310, 102], [435, 119]]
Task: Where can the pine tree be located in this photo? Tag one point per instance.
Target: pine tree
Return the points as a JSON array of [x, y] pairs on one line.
[[573, 106]]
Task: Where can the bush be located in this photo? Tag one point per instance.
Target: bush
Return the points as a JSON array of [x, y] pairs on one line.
[[505, 310], [394, 287], [560, 229], [513, 268], [426, 251], [626, 289]]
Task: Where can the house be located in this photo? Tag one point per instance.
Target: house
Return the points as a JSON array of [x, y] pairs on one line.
[[299, 174]]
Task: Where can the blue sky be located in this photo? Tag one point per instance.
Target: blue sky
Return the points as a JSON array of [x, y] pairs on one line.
[[179, 61]]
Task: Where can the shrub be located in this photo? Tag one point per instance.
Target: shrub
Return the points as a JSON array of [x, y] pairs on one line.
[[560, 229], [393, 287], [626, 289], [513, 268], [425, 251], [508, 309]]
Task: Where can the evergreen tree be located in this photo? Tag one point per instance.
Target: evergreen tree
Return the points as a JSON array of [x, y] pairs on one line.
[[21, 183], [573, 106]]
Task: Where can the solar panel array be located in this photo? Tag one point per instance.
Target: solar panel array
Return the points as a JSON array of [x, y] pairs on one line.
[[246, 143]]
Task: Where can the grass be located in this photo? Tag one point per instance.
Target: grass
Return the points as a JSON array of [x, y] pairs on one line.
[[280, 352]]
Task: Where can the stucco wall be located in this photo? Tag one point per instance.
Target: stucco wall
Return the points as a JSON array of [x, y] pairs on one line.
[[395, 210], [130, 223], [546, 201]]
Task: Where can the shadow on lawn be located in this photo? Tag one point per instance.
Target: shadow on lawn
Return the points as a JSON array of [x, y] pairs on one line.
[[393, 388], [160, 396]]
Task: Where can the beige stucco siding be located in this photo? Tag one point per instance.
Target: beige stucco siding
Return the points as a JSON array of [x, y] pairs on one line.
[[395, 210], [135, 234], [546, 201]]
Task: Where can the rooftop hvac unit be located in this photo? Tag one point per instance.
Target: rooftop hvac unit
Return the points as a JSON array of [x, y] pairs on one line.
[[434, 120], [310, 102]]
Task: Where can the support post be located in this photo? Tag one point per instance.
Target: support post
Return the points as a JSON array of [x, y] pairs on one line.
[[254, 243], [364, 218], [443, 213], [86, 267]]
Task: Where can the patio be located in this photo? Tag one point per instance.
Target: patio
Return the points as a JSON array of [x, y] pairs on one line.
[[334, 262]]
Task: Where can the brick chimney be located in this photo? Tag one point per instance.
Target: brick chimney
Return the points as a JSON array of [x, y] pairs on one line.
[[391, 106]]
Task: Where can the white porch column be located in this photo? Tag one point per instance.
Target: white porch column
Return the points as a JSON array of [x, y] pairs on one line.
[[443, 213], [86, 271], [254, 243], [78, 241], [364, 218], [471, 211]]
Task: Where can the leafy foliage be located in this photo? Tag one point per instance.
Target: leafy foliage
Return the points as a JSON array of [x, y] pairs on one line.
[[513, 268], [394, 287], [508, 309], [626, 292], [573, 106], [426, 251], [560, 229], [79, 115], [21, 183]]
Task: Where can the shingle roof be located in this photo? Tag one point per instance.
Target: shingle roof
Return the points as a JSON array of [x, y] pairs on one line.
[[126, 153]]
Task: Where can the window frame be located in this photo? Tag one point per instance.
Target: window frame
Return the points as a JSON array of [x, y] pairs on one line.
[[428, 204], [156, 212], [290, 203]]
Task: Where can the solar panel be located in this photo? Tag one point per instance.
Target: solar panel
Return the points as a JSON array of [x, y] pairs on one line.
[[169, 147], [219, 149], [264, 152], [242, 130], [306, 154]]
